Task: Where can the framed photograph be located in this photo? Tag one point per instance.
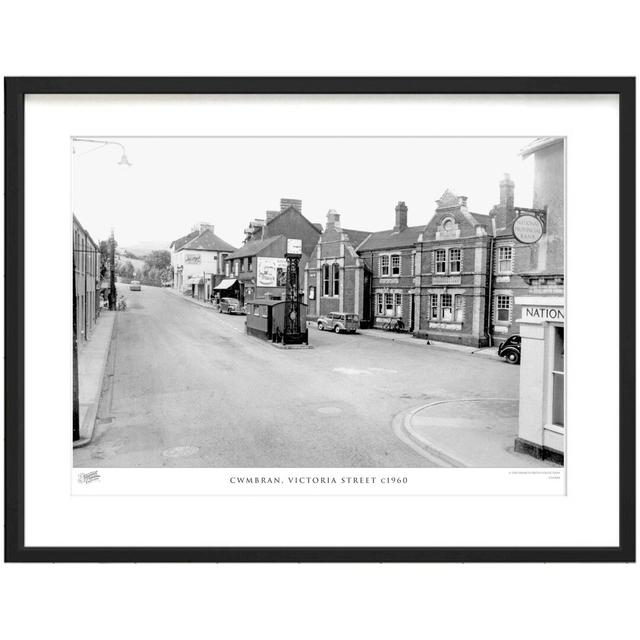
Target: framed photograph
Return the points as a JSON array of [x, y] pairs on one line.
[[320, 319]]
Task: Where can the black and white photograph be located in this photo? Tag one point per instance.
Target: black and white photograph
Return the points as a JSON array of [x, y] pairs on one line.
[[264, 303]]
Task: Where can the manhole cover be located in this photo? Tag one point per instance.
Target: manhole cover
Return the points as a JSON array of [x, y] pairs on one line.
[[180, 452], [330, 411]]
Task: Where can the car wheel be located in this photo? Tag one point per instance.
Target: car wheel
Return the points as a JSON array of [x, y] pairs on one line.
[[336, 329], [513, 357], [219, 310], [320, 326]]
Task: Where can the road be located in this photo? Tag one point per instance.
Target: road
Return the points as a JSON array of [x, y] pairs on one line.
[[186, 387]]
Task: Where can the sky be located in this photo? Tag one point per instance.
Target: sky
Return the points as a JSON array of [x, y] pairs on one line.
[[174, 183]]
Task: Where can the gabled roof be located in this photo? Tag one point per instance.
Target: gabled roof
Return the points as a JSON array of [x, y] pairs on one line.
[[207, 241], [356, 237], [391, 239], [482, 218], [177, 244], [252, 247], [316, 227]]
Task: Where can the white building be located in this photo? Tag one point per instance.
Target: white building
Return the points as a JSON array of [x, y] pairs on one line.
[[197, 259]]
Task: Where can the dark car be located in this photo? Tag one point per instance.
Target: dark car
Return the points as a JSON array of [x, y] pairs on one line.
[[510, 349], [339, 322], [229, 305]]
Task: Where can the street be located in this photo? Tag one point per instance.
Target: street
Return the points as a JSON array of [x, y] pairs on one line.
[[186, 387]]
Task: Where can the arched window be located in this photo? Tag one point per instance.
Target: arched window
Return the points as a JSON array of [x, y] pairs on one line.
[[336, 280]]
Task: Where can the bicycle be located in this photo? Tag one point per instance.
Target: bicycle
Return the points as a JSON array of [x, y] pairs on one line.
[[393, 324]]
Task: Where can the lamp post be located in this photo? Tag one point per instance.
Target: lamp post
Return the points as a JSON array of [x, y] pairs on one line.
[[76, 385]]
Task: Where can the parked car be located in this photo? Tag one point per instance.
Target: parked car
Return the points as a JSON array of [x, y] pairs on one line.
[[510, 349], [338, 322], [134, 285], [229, 305]]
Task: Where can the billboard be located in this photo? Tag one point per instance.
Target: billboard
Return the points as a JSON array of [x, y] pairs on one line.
[[272, 272]]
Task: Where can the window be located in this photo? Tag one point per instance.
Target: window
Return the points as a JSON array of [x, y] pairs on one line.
[[446, 309], [227, 268], [434, 306], [441, 261], [379, 301], [459, 306], [557, 374], [264, 311], [325, 280], [336, 280], [503, 308], [395, 265], [236, 267], [454, 260], [388, 304], [249, 263], [504, 259], [398, 298], [256, 310], [384, 265]]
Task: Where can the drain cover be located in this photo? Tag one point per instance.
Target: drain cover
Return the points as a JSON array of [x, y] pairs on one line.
[[330, 411], [180, 452]]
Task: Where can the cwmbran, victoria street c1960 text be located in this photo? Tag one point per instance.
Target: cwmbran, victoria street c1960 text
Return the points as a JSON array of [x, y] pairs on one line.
[[315, 480]]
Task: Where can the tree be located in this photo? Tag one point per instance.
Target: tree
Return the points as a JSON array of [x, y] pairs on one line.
[[160, 259]]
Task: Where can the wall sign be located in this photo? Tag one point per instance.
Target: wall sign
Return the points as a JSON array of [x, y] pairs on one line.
[[542, 314], [527, 229], [192, 258], [294, 246], [271, 272]]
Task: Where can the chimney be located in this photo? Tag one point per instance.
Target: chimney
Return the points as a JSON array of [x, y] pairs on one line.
[[270, 216], [507, 188], [200, 227], [333, 220], [285, 203], [401, 217]]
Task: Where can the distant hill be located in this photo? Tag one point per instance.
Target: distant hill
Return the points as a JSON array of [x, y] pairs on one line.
[[145, 247]]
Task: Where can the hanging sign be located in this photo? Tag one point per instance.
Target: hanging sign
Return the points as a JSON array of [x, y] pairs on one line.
[[294, 246], [527, 229]]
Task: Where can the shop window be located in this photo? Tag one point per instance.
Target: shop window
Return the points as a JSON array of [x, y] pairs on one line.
[[446, 307], [256, 310], [264, 311], [384, 265], [395, 265], [441, 261], [503, 308], [336, 280], [398, 301], [557, 374], [505, 256], [454, 261], [388, 304], [249, 263], [325, 280], [236, 267]]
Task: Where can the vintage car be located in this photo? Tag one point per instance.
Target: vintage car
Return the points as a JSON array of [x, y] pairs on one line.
[[134, 285], [229, 305], [510, 349], [339, 322]]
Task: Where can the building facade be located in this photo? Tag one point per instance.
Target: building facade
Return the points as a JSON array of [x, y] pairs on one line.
[[541, 311], [335, 276], [259, 266], [452, 274], [86, 270], [197, 261], [389, 258]]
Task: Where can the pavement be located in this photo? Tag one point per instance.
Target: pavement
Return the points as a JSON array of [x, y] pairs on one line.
[[186, 386], [92, 360], [468, 432]]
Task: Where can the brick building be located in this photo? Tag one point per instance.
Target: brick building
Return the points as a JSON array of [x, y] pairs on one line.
[[86, 265], [259, 265], [453, 257], [389, 256], [335, 276]]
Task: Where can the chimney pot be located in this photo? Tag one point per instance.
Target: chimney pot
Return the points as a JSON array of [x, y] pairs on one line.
[[401, 216]]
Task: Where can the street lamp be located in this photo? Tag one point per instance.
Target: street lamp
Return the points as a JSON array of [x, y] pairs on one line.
[[123, 160]]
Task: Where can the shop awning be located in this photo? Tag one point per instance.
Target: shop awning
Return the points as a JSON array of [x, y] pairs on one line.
[[195, 280], [225, 284]]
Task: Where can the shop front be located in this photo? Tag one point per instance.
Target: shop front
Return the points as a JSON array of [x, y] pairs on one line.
[[541, 422]]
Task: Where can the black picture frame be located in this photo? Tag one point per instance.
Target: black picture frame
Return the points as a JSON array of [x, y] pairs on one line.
[[15, 91]]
